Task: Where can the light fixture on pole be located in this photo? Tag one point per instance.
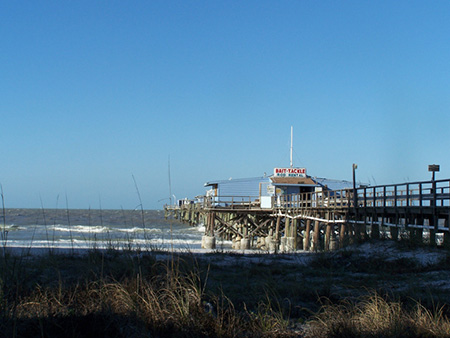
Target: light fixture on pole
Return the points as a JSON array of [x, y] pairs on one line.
[[433, 168]]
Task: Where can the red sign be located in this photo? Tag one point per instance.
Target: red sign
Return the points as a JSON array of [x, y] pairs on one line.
[[289, 172]]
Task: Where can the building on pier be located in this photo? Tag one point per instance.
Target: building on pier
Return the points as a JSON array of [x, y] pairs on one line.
[[252, 187], [284, 182]]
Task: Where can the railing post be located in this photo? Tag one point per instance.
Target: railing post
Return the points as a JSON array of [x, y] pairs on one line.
[[435, 216], [448, 216], [420, 197], [395, 197], [407, 194], [374, 203]]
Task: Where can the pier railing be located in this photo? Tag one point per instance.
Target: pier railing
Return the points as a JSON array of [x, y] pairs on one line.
[[329, 199], [336, 199], [231, 202], [413, 194]]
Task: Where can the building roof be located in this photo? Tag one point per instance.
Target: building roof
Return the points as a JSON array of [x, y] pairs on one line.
[[293, 181], [333, 184], [236, 180]]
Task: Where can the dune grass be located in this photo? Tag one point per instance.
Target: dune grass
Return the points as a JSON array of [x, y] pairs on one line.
[[377, 316], [120, 293], [116, 295]]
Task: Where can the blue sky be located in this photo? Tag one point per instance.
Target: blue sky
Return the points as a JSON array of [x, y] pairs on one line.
[[93, 93]]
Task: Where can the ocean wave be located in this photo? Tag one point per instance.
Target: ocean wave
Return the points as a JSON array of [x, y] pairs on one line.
[[157, 243], [139, 230], [100, 233], [101, 229], [80, 228], [10, 227]]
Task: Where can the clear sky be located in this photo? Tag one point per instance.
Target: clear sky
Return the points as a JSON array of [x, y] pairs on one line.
[[94, 93]]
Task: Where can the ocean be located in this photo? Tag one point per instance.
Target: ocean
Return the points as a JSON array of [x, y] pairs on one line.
[[96, 229]]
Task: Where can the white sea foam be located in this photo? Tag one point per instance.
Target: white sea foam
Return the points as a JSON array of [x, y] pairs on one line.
[[10, 227], [139, 230], [65, 243], [78, 228]]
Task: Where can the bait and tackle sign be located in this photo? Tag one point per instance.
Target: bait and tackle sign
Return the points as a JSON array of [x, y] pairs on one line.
[[289, 172]]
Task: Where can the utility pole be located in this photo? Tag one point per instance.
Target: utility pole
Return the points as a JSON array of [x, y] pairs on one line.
[[435, 218], [355, 196]]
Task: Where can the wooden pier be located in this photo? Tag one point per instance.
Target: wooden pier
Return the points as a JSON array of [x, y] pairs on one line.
[[325, 220]]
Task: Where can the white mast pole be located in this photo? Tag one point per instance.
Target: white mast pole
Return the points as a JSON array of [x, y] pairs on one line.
[[292, 141]]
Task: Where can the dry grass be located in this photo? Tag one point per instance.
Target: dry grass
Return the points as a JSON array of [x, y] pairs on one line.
[[151, 299], [376, 316], [129, 294]]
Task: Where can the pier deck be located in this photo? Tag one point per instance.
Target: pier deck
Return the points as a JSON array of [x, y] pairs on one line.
[[325, 220]]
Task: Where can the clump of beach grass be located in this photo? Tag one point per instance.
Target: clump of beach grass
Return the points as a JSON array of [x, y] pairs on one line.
[[377, 316]]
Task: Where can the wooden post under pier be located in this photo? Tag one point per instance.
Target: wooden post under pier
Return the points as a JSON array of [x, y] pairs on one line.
[[328, 230], [307, 240], [316, 244]]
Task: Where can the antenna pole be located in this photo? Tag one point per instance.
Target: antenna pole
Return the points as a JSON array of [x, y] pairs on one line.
[[292, 141], [170, 184]]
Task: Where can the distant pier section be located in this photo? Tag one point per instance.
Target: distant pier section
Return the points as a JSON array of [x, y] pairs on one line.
[[291, 211]]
